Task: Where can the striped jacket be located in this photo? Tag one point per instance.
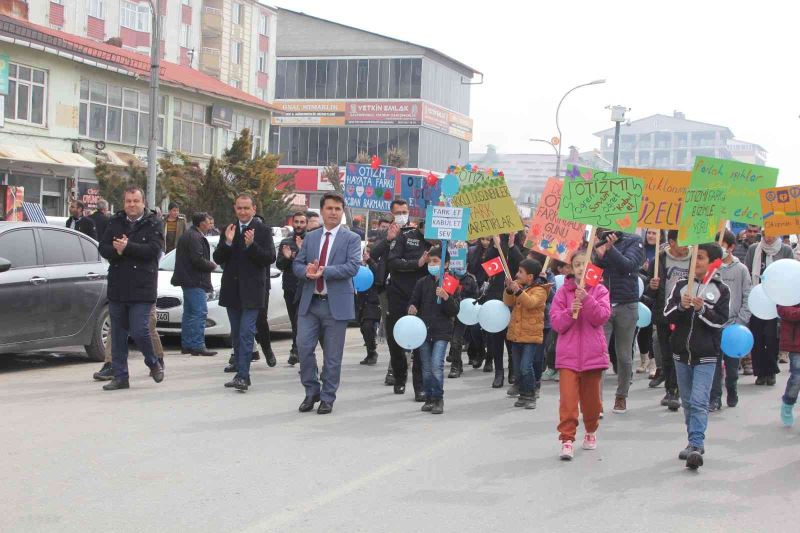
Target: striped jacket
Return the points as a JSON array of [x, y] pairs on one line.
[[697, 335]]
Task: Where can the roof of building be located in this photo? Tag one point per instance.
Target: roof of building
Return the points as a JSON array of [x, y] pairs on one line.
[[659, 122], [740, 141], [432, 51], [172, 74]]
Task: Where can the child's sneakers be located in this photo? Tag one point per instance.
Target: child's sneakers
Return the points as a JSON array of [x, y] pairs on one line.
[[589, 442], [787, 416], [567, 453]]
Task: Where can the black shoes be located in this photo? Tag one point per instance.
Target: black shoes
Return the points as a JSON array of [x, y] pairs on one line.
[[269, 355], [689, 449], [231, 369], [427, 406], [105, 374], [694, 458], [324, 408], [761, 380], [714, 405], [489, 366], [204, 352], [438, 407], [293, 359], [498, 381], [526, 401], [771, 380], [733, 397], [157, 373], [308, 404], [511, 377], [476, 363], [238, 384], [185, 350], [389, 381], [420, 397], [371, 359], [399, 388], [256, 356], [672, 401], [117, 384], [658, 380], [455, 371]]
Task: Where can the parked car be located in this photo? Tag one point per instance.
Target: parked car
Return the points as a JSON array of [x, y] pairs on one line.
[[52, 290], [169, 306]]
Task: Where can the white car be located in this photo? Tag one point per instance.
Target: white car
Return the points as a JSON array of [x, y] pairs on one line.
[[169, 305]]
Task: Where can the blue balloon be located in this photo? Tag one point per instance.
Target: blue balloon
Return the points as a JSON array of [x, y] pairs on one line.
[[737, 341], [363, 279], [560, 281], [645, 316], [494, 316], [450, 185], [468, 311], [410, 332]]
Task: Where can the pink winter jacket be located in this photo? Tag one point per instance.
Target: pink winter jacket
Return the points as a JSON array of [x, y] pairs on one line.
[[581, 342]]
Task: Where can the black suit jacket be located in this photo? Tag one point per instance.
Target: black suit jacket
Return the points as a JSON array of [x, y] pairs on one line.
[[100, 223], [85, 225], [245, 275]]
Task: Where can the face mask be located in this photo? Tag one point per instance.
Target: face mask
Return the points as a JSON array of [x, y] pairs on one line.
[[459, 273], [401, 220], [434, 270], [725, 253]]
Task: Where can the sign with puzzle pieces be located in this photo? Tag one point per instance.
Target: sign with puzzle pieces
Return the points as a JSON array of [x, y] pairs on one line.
[[368, 188]]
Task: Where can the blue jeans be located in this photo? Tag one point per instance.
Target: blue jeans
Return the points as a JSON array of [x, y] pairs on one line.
[[130, 319], [793, 385], [522, 356], [243, 337], [694, 384], [193, 324], [431, 355]]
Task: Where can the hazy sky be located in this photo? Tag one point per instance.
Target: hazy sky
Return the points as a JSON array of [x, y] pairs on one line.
[[731, 63]]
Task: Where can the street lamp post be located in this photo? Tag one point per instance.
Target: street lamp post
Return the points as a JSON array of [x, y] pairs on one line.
[[552, 145], [558, 127], [155, 58], [618, 117]]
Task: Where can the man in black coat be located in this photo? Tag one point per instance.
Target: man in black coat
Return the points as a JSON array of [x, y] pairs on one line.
[[79, 222], [287, 251], [101, 218], [193, 268], [245, 252], [132, 244]]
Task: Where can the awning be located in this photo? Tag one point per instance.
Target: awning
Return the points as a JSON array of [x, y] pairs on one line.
[[123, 159], [34, 212], [44, 156]]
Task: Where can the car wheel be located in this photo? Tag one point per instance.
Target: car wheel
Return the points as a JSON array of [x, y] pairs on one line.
[[101, 337]]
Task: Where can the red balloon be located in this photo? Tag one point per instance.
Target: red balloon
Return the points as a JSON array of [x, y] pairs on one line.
[[431, 180]]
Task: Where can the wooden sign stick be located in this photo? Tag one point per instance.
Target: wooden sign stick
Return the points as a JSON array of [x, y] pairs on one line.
[[546, 264], [722, 228], [692, 268], [503, 260], [589, 249], [658, 254]]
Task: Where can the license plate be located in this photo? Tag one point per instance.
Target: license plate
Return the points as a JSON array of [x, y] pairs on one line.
[[162, 317]]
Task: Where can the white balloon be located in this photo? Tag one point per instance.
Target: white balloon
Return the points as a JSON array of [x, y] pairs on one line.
[[760, 305], [468, 312], [641, 286], [781, 282], [559, 281], [410, 332], [494, 316]]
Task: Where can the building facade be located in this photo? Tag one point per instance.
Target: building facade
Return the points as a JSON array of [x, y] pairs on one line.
[[673, 142], [343, 91], [73, 101], [231, 40]]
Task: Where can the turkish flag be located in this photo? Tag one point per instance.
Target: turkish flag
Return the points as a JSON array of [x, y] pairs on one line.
[[493, 267], [712, 268], [450, 284], [593, 275]]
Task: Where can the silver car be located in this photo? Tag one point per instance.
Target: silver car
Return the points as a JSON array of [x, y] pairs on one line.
[[169, 305], [52, 290]]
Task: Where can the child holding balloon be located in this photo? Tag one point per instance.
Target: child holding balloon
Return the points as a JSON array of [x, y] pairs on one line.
[[437, 309], [581, 354], [698, 314]]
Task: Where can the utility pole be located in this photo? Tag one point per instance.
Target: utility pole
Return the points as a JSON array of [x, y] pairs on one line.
[[618, 117], [155, 63], [558, 126]]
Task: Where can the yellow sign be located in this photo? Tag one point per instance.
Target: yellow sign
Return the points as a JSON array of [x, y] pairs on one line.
[[663, 196], [486, 193]]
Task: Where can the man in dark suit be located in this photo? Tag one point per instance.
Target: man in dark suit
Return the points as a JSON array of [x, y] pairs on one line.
[[287, 251], [132, 244], [100, 218], [245, 253], [327, 261], [79, 222]]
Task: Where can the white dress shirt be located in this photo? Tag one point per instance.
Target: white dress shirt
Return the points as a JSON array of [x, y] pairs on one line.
[[331, 240]]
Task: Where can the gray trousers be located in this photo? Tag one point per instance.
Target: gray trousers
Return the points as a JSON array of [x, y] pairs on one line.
[[623, 326], [317, 324]]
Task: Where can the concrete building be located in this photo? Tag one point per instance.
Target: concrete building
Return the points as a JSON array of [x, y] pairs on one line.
[[231, 40], [344, 90], [73, 100], [673, 142]]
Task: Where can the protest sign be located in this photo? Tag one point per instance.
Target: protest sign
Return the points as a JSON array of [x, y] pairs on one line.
[[458, 256], [781, 210], [549, 234], [368, 188], [486, 193], [418, 194], [662, 199], [601, 198], [702, 214], [742, 181], [447, 223]]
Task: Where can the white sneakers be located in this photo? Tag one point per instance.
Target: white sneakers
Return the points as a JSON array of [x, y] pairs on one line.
[[567, 452], [568, 448], [589, 442]]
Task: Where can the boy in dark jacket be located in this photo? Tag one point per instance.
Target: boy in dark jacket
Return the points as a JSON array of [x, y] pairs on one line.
[[368, 310], [698, 316], [790, 342], [468, 288], [437, 309]]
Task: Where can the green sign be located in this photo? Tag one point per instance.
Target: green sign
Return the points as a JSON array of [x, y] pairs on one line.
[[742, 181], [701, 215], [3, 73], [601, 198]]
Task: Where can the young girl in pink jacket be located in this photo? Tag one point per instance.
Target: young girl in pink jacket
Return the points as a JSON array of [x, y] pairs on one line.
[[581, 355]]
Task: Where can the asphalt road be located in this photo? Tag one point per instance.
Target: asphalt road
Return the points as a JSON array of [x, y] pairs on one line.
[[189, 455]]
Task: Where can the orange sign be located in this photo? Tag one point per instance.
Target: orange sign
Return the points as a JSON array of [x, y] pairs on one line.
[[781, 210], [663, 196], [549, 234]]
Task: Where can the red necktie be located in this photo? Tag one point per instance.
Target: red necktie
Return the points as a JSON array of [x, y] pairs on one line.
[[323, 258]]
